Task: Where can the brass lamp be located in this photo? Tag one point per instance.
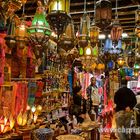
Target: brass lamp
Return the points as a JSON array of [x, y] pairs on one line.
[[84, 30], [103, 13], [21, 34], [58, 16], [67, 39], [137, 31], [120, 61], [116, 31]]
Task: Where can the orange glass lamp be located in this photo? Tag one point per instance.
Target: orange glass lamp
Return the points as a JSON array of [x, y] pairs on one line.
[[94, 33], [137, 31], [103, 13], [120, 61], [136, 73], [21, 34]]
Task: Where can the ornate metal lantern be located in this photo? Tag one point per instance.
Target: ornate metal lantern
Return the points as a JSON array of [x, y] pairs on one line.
[[94, 33], [103, 13], [40, 31], [116, 31], [131, 59], [58, 15], [84, 31], [21, 34], [67, 39], [120, 61]]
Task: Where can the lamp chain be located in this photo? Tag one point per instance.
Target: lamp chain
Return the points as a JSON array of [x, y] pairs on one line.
[[94, 7], [116, 10], [85, 6]]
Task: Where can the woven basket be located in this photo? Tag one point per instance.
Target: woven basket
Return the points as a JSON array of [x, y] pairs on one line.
[[70, 137]]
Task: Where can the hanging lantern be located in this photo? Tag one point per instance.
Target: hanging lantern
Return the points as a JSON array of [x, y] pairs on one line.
[[136, 66], [103, 13], [137, 31], [137, 16], [40, 31], [94, 33], [59, 5], [116, 31], [10, 38], [84, 30], [131, 59], [21, 34], [67, 39], [120, 61], [58, 15], [136, 73]]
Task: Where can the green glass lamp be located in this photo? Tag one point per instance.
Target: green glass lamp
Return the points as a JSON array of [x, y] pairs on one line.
[[136, 66], [40, 31]]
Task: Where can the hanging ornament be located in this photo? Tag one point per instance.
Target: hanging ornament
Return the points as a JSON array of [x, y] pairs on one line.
[[103, 13], [120, 61]]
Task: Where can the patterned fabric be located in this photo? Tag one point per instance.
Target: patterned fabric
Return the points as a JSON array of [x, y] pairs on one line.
[[93, 97], [32, 87], [40, 86], [42, 134], [21, 97]]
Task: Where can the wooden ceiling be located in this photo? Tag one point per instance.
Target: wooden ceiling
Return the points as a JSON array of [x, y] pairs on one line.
[[126, 11]]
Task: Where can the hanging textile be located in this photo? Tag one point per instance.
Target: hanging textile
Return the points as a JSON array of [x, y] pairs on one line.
[[21, 97], [39, 91], [2, 57], [32, 88], [7, 100]]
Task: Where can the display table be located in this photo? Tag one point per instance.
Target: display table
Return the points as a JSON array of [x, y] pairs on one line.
[[70, 137]]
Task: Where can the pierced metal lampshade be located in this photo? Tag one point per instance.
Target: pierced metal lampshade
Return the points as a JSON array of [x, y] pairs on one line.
[[21, 34], [67, 39], [94, 33], [84, 30], [58, 16], [40, 31], [116, 31], [103, 13]]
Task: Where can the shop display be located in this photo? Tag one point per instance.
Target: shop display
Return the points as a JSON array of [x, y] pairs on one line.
[[55, 84]]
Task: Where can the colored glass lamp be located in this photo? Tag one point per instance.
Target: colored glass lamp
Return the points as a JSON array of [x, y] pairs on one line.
[[116, 31], [120, 61], [21, 34], [94, 33], [136, 66], [103, 13], [137, 31], [67, 39], [136, 73], [40, 31], [84, 30], [58, 15]]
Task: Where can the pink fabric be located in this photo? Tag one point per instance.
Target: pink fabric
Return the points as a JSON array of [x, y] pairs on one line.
[[21, 97]]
